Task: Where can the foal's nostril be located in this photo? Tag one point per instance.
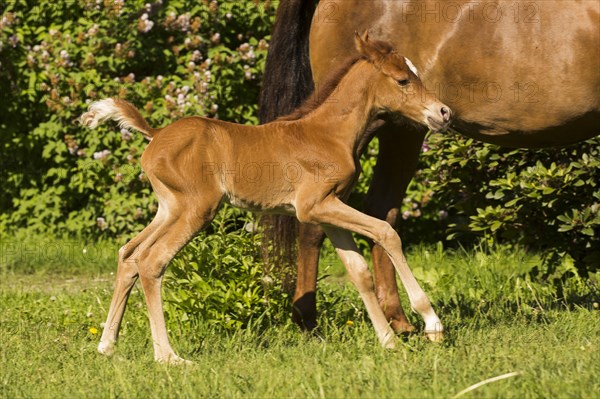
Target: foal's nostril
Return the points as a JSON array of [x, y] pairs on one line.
[[445, 114]]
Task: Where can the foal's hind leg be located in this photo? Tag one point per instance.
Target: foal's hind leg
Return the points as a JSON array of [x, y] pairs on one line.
[[182, 223], [127, 274], [148, 255]]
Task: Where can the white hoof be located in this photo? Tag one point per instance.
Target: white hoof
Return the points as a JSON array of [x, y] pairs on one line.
[[434, 330], [435, 336], [388, 341], [173, 360], [106, 348]]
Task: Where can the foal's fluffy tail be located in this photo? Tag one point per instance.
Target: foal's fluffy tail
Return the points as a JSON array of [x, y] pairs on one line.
[[122, 112]]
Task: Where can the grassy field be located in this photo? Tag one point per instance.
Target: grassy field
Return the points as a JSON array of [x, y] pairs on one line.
[[498, 321]]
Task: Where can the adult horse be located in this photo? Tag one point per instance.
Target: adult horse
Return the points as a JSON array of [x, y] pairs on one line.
[[516, 73]]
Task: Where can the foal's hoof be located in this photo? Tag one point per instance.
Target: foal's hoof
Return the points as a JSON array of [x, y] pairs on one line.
[[435, 336], [106, 348], [174, 360], [390, 343]]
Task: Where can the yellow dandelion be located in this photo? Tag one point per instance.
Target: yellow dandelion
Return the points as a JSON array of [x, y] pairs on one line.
[[349, 323], [93, 330]]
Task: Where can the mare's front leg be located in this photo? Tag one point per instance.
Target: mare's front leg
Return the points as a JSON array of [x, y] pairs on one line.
[[396, 165]]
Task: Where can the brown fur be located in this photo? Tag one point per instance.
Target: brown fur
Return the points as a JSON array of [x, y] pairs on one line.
[[195, 164], [322, 92], [544, 58]]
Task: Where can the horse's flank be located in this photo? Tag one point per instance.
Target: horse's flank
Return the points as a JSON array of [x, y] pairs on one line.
[[527, 77]]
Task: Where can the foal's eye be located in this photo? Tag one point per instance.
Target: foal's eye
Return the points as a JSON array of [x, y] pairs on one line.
[[403, 82]]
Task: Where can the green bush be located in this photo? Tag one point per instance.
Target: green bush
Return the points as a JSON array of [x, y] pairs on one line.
[[177, 57], [544, 199], [219, 279], [170, 58]]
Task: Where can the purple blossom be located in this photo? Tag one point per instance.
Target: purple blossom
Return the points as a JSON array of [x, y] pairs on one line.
[[101, 155], [101, 223], [126, 135], [144, 24], [13, 40]]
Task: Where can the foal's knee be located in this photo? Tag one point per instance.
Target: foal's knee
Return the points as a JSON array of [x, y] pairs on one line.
[[386, 236], [127, 262]]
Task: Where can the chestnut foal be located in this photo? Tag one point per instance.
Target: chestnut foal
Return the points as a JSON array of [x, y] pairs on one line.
[[303, 165]]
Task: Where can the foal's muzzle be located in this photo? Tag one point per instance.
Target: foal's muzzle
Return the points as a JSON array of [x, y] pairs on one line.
[[439, 120]]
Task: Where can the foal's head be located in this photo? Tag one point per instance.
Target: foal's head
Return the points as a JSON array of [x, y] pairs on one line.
[[398, 90]]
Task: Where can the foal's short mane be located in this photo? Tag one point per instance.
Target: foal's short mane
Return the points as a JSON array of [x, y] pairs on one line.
[[322, 93]]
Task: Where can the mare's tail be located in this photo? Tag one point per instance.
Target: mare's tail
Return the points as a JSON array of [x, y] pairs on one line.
[[287, 79], [122, 112], [287, 83]]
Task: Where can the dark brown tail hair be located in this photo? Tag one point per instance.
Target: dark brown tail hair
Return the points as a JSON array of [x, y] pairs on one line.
[[287, 83]]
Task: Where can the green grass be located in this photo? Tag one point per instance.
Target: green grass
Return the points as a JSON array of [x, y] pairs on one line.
[[498, 321]]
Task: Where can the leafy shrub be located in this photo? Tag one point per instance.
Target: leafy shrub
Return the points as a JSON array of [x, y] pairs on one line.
[[170, 58], [219, 278], [547, 199]]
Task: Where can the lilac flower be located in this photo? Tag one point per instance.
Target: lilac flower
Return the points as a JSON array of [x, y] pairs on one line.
[[93, 30], [196, 56], [101, 223], [144, 24], [13, 40], [101, 155], [126, 135], [184, 22]]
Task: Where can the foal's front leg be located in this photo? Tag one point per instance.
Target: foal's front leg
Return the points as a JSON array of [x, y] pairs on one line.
[[333, 212], [359, 274]]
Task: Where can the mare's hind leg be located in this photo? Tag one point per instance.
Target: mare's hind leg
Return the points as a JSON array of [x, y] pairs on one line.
[[396, 165], [304, 310]]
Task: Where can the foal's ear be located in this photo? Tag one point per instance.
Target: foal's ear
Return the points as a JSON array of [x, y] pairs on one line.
[[362, 44]]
